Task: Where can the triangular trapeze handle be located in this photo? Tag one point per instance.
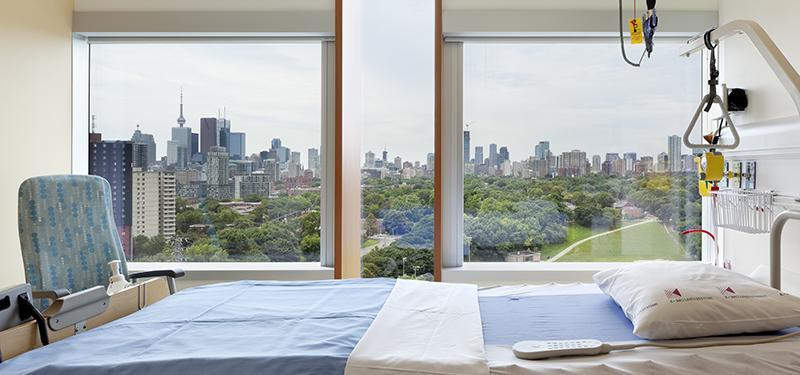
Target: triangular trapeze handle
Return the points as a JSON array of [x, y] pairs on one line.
[[700, 109]]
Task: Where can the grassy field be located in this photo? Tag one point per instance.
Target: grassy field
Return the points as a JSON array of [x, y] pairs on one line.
[[646, 241], [369, 242], [575, 233]]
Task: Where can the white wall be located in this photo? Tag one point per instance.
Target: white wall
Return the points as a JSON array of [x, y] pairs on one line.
[[567, 21], [770, 128], [35, 100]]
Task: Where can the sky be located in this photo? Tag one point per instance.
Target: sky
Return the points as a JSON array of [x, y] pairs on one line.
[[577, 96], [266, 90]]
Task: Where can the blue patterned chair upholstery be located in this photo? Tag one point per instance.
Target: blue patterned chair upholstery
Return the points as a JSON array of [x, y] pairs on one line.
[[67, 233]]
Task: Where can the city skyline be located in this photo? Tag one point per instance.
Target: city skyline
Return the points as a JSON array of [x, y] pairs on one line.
[[273, 91], [266, 90]]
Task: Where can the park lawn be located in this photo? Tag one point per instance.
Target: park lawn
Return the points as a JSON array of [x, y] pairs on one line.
[[369, 242], [646, 241], [575, 233]]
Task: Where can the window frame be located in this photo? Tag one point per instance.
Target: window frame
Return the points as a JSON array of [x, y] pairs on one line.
[[81, 113], [454, 267]]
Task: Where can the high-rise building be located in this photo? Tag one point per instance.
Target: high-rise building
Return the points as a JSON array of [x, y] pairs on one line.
[[493, 155], [398, 162], [217, 166], [209, 134], [612, 157], [282, 154], [503, 155], [254, 184], [177, 155], [236, 147], [144, 144], [541, 150], [167, 203], [313, 161], [181, 135], [466, 147], [662, 162], [271, 169], [113, 160], [385, 157], [597, 164], [224, 126], [294, 167], [217, 173], [630, 161], [478, 155], [369, 159], [572, 163], [431, 161], [140, 153], [687, 163], [645, 164], [153, 203], [195, 144], [674, 153]]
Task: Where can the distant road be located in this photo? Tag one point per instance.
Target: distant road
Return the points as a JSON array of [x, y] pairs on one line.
[[383, 241], [568, 249]]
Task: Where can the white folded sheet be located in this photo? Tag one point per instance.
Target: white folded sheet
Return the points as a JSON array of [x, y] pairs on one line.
[[423, 328]]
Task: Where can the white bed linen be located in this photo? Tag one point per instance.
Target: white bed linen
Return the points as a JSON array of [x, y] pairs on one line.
[[423, 328], [764, 359]]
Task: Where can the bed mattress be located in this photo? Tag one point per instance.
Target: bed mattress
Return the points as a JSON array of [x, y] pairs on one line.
[[556, 312], [262, 327], [247, 327]]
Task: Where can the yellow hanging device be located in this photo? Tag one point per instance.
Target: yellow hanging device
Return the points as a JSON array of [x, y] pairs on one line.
[[710, 171], [635, 25]]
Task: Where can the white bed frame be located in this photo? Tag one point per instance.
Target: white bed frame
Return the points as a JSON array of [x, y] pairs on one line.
[[775, 245]]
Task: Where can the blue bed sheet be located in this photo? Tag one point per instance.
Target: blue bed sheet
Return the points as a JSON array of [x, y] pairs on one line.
[[507, 320], [247, 327]]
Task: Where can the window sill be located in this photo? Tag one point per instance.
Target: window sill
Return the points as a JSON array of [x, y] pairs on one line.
[[201, 273], [480, 273], [494, 273]]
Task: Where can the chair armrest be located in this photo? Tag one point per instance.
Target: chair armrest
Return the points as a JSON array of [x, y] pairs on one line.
[[76, 307], [170, 274], [173, 273], [50, 294]]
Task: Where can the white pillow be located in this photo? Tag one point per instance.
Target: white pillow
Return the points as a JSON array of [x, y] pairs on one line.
[[670, 300]]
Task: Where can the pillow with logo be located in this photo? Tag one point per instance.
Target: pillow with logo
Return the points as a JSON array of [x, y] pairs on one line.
[[671, 300]]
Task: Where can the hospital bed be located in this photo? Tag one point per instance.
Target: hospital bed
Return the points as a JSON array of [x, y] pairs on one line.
[[319, 327], [372, 326]]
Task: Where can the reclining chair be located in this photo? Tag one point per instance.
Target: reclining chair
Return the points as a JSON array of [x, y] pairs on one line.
[[68, 236]]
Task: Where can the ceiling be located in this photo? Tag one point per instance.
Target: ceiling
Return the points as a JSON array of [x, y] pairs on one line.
[[323, 5], [201, 5], [695, 5]]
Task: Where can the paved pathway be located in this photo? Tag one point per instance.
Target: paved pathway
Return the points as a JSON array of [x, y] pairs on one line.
[[383, 241], [568, 249]]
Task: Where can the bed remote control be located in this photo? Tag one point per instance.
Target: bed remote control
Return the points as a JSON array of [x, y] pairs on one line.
[[558, 348]]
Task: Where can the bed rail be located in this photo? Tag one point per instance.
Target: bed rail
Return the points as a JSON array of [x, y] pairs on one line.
[[775, 245]]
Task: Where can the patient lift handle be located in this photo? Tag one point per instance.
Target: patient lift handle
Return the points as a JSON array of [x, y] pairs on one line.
[[708, 101]]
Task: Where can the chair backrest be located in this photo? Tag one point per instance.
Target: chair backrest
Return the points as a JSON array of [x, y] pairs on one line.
[[67, 232]]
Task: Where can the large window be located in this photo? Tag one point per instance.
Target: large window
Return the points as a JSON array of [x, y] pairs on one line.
[[212, 149], [571, 155]]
